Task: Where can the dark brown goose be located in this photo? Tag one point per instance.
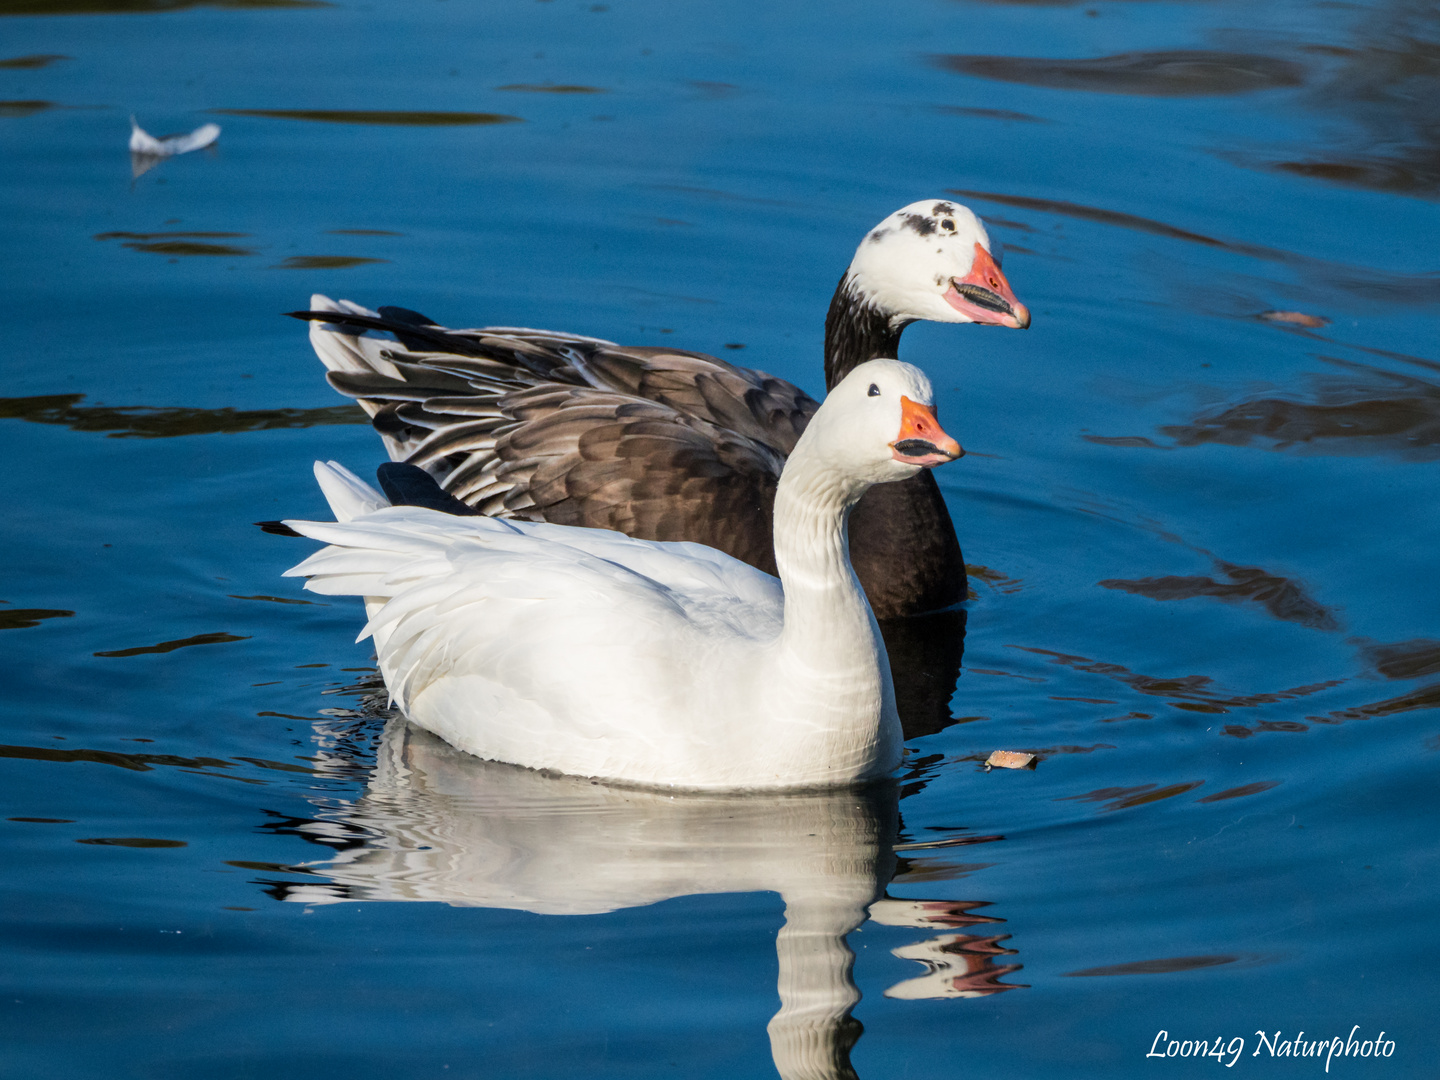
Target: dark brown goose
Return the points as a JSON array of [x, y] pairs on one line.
[[664, 444]]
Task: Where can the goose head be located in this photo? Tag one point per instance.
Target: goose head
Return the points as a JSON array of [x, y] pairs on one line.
[[933, 260], [878, 425]]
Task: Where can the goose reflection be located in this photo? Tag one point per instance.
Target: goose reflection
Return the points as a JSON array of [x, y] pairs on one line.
[[925, 654], [443, 826]]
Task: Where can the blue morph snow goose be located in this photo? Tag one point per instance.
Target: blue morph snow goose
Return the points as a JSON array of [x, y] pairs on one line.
[[664, 444]]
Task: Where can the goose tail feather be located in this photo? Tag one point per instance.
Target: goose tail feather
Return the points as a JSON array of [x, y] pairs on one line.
[[349, 496]]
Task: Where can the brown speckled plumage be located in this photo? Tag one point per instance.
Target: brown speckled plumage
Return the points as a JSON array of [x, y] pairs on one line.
[[657, 443]]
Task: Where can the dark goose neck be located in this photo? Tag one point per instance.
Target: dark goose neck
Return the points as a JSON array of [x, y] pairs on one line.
[[856, 330], [902, 542]]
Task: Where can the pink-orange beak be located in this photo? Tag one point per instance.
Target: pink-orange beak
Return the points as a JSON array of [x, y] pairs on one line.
[[921, 440], [985, 297]]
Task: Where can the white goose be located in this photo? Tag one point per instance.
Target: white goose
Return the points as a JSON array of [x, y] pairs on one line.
[[666, 444], [591, 653]]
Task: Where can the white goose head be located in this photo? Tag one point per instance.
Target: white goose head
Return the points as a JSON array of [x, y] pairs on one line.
[[878, 425], [934, 260]]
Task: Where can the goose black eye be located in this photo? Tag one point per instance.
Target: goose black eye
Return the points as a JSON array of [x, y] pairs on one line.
[[948, 225], [874, 390]]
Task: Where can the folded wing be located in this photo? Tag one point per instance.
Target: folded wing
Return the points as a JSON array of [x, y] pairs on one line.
[[534, 425]]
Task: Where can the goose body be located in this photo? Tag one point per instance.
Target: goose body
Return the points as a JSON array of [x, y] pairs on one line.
[[664, 444], [593, 653]]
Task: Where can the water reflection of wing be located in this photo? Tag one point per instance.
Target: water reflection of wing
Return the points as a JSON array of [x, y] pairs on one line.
[[451, 828]]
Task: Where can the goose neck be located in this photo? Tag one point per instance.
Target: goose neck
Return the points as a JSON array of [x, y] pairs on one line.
[[825, 607], [812, 509], [857, 329]]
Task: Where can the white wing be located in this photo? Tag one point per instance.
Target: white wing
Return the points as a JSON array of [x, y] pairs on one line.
[[553, 646]]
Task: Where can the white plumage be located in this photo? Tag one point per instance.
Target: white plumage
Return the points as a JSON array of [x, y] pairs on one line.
[[588, 652]]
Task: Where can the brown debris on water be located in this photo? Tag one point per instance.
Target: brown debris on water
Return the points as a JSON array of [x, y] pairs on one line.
[[1010, 759], [1295, 318]]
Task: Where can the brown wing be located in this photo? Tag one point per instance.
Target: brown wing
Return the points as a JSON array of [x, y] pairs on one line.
[[655, 443]]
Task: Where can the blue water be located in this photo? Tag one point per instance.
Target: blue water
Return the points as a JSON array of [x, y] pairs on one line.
[[1205, 539]]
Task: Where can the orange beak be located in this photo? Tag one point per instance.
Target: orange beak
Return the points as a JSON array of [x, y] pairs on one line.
[[985, 297], [921, 440]]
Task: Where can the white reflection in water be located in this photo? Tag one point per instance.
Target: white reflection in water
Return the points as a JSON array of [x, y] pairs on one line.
[[448, 827]]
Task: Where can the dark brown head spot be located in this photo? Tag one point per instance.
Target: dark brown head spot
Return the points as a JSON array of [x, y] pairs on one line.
[[941, 208], [919, 222]]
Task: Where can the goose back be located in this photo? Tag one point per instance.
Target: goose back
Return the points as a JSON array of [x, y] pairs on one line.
[[660, 444]]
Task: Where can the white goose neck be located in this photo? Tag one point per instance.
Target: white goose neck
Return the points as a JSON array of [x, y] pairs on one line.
[[828, 622], [812, 508]]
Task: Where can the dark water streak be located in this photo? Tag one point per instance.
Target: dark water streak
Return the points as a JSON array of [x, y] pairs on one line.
[[25, 618], [325, 262], [1172, 73], [377, 116], [139, 762], [146, 422], [34, 60], [171, 646], [140, 7], [1367, 411], [1280, 596]]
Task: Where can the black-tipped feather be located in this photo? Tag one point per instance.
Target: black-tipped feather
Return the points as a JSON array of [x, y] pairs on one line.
[[432, 338], [410, 485], [412, 318]]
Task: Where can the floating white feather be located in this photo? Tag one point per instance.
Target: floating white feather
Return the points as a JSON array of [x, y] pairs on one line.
[[142, 142]]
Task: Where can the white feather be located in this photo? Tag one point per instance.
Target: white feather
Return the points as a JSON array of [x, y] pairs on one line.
[[142, 142], [349, 496]]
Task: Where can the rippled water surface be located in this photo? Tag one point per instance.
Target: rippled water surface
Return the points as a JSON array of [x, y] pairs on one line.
[[1200, 510]]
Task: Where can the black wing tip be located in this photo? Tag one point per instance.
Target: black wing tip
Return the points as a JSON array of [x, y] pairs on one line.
[[409, 316], [409, 485], [277, 528]]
